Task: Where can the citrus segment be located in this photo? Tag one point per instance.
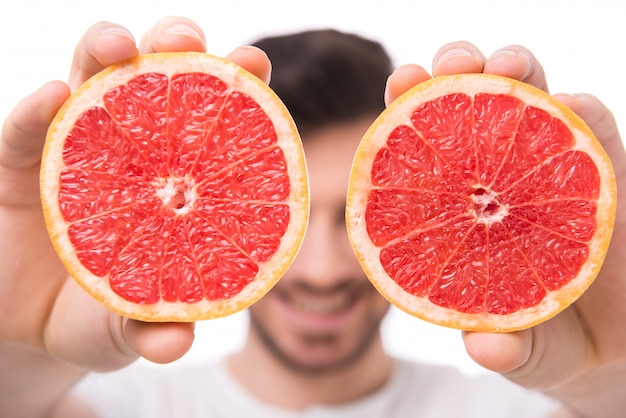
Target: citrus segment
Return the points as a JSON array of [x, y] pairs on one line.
[[174, 187], [481, 203]]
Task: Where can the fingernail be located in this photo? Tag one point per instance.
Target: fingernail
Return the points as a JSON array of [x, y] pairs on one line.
[[520, 59], [456, 52], [570, 95], [504, 52], [118, 31], [184, 30], [452, 53]]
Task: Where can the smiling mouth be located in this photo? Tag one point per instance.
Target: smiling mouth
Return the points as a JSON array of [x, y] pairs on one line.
[[323, 303]]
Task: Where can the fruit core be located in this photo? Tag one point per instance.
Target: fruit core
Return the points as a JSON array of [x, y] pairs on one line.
[[177, 194], [487, 209]]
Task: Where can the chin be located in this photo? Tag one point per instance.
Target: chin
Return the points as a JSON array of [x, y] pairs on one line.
[[317, 352]]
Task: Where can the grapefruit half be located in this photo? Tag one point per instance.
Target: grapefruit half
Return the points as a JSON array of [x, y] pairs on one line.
[[480, 203], [174, 187]]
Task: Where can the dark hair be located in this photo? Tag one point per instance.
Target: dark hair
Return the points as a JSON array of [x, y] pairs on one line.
[[327, 76]]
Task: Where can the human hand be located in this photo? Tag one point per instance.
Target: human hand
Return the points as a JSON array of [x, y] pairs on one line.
[[44, 311], [579, 356]]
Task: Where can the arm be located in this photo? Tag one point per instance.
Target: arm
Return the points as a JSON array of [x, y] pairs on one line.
[[51, 332], [563, 413], [578, 357], [32, 380]]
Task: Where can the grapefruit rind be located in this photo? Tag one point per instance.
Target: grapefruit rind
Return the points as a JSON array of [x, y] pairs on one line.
[[368, 254], [238, 79]]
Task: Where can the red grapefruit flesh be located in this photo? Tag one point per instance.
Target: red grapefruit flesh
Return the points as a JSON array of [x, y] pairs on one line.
[[481, 203], [174, 187]]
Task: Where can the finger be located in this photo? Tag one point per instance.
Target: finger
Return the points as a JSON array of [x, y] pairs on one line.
[[601, 121], [253, 60], [402, 79], [24, 130], [173, 34], [159, 342], [519, 63], [83, 332], [102, 45], [539, 358], [603, 302], [458, 57]]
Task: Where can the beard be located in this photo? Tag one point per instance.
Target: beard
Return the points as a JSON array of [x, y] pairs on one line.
[[371, 333]]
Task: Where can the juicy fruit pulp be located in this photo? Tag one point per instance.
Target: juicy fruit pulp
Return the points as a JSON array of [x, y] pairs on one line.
[[171, 181], [496, 220], [176, 189], [481, 204]]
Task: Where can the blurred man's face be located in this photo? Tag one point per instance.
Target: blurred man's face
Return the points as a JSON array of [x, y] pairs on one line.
[[324, 313]]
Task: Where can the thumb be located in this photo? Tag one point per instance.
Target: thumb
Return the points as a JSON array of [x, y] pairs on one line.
[[159, 342], [81, 331], [543, 357]]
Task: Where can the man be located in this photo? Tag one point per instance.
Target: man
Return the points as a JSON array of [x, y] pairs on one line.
[[314, 345]]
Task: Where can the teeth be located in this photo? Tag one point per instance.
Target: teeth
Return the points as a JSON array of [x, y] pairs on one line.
[[322, 305]]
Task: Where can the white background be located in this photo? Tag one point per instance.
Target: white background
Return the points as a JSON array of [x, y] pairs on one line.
[[580, 43]]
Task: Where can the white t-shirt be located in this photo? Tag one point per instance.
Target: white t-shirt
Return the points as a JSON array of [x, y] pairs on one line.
[[209, 391]]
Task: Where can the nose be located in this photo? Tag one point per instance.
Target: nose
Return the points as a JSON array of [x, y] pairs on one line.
[[325, 258]]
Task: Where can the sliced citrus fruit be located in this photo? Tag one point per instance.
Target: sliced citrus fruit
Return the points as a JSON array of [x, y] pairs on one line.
[[174, 187], [481, 203]]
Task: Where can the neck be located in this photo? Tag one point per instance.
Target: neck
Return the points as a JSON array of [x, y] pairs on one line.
[[271, 381]]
